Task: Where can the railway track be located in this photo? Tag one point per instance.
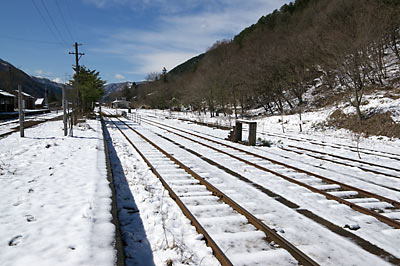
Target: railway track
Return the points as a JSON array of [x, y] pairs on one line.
[[382, 208], [362, 243], [379, 171], [377, 178], [366, 151], [375, 168], [13, 126], [368, 244], [363, 165], [229, 229]]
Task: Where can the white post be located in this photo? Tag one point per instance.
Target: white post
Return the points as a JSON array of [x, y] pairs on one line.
[[46, 98], [21, 112], [64, 103]]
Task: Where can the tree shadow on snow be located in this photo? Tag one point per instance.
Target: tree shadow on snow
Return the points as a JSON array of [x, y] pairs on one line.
[[136, 246], [39, 138], [79, 137]]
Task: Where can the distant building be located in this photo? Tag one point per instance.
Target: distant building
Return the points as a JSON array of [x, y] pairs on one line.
[[40, 103], [120, 104], [6, 101], [29, 100]]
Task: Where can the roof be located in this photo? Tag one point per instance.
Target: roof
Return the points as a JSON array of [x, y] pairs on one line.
[[4, 93], [39, 101], [25, 94], [121, 101]]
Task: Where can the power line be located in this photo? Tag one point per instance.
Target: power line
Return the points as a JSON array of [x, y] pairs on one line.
[[44, 20], [54, 24], [73, 22], [63, 19], [29, 40]]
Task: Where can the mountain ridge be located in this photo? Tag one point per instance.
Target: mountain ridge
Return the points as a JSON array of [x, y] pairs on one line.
[[11, 77]]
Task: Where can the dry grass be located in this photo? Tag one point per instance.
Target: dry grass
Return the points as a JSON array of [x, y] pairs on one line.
[[324, 97], [377, 124]]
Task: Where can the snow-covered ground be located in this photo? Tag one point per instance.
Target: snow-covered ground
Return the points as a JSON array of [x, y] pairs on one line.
[[317, 241], [55, 207], [289, 124], [6, 126], [153, 227], [55, 198]]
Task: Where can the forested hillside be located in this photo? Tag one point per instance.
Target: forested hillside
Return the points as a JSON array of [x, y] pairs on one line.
[[307, 54], [11, 77]]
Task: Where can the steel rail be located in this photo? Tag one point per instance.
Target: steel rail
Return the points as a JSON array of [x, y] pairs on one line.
[[118, 243], [326, 159], [354, 206], [343, 163], [349, 165], [295, 252], [363, 150], [218, 253], [28, 124], [364, 244], [349, 147], [348, 159]]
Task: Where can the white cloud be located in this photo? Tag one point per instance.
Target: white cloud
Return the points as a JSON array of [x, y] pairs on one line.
[[179, 36], [119, 76], [162, 6], [38, 72], [58, 80]]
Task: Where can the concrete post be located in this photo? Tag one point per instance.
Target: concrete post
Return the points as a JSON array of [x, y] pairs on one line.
[[252, 133], [237, 135], [21, 112], [64, 103]]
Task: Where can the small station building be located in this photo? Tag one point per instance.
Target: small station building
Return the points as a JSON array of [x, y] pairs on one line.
[[29, 100], [6, 101], [123, 104]]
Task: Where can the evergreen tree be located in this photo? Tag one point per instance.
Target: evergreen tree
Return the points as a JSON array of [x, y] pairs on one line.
[[52, 97], [164, 74], [90, 86]]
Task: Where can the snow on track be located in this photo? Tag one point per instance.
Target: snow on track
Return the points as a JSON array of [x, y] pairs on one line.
[[153, 227], [313, 239], [10, 125]]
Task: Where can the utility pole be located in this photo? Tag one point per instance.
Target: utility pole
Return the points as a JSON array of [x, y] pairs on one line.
[[46, 98], [10, 77], [77, 57], [21, 112], [64, 104]]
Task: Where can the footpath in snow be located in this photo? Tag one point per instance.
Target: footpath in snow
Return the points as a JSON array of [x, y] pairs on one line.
[[55, 198]]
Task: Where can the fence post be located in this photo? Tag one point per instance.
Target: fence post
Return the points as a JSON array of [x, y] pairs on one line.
[[21, 112], [64, 103]]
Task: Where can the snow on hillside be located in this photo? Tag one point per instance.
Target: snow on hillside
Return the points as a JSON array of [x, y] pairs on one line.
[[382, 101], [158, 206], [55, 198], [112, 87]]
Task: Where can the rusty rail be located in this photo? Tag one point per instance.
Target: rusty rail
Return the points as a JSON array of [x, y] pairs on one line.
[[356, 207], [344, 158], [349, 147], [295, 252]]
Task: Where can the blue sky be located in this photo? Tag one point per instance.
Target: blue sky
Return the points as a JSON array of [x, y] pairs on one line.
[[123, 39]]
